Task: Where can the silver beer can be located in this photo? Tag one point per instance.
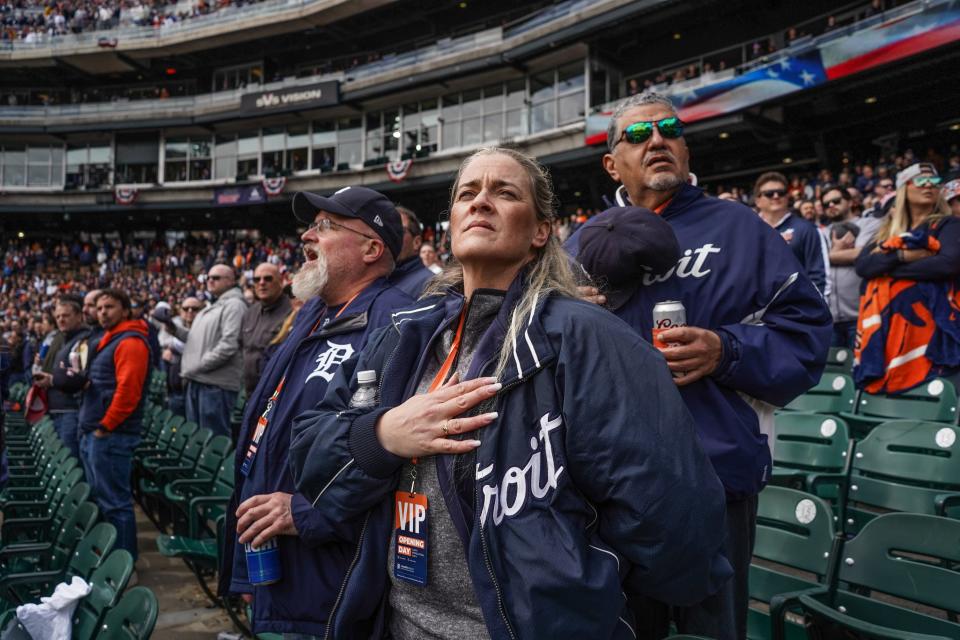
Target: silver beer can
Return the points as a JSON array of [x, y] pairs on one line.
[[668, 314]]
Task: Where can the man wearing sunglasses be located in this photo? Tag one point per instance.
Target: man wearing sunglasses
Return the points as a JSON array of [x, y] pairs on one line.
[[758, 334], [773, 205], [352, 243], [262, 320], [212, 362], [841, 237], [173, 353]]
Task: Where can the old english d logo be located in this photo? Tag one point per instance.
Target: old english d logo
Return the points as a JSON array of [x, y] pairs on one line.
[[328, 361]]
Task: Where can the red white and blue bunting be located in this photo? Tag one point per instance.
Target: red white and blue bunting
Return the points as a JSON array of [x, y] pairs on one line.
[[274, 186], [398, 169], [125, 195]]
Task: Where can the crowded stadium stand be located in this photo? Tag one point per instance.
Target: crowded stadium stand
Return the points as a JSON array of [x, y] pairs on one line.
[[143, 142]]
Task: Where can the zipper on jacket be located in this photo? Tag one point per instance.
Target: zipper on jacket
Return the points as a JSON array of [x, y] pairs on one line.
[[486, 559], [483, 538], [346, 578], [383, 373]]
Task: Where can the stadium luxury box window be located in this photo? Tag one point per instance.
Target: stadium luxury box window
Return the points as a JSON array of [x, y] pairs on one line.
[[88, 165]]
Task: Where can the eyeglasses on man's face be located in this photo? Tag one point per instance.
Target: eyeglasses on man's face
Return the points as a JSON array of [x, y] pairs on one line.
[[191, 309], [832, 202], [324, 225], [264, 279]]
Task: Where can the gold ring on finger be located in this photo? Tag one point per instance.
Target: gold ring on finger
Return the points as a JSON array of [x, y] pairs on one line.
[[446, 430]]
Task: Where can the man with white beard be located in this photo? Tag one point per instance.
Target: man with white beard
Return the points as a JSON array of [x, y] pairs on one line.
[[351, 246]]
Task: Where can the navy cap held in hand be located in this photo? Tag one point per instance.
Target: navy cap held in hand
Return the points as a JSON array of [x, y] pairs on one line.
[[621, 245]]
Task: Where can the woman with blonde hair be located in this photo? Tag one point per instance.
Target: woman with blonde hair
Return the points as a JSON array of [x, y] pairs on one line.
[[908, 328], [527, 464]]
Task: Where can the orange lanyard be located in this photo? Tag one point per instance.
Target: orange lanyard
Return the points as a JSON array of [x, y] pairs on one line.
[[445, 368], [448, 363], [346, 304], [663, 206]]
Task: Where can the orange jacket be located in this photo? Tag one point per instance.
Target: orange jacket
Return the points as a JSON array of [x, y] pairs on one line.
[[131, 361]]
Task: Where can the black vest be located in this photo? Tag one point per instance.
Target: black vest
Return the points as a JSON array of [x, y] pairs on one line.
[[103, 385]]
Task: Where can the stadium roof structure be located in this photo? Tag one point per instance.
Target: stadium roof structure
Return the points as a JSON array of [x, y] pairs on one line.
[[742, 120]]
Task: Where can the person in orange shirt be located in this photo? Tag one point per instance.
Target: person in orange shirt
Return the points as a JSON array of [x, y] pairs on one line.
[[111, 412]]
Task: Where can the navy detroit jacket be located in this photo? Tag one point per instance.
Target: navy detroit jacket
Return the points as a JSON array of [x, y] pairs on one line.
[[586, 488], [738, 278]]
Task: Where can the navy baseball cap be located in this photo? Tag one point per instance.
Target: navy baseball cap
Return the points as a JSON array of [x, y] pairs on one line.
[[372, 207], [621, 245]]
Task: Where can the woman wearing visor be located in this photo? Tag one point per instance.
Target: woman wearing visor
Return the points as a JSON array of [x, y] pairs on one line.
[[907, 328], [528, 464]]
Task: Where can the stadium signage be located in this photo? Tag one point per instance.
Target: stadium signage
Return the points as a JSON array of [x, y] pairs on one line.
[[322, 94], [231, 196]]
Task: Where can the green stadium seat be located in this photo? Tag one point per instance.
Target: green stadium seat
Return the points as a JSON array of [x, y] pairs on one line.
[[133, 618], [42, 528], [35, 502], [146, 461], [839, 360], [808, 444], [40, 489], [935, 401], [178, 491], [93, 548], [162, 442], [902, 465], [107, 584], [912, 557], [794, 544], [34, 555], [834, 394]]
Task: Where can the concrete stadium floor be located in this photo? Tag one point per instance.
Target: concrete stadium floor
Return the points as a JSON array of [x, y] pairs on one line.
[[185, 612]]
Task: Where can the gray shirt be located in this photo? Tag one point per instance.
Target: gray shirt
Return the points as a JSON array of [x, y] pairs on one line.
[[844, 296], [446, 608], [260, 325]]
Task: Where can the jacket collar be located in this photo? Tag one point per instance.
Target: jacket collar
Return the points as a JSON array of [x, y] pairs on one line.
[[233, 292], [362, 303], [354, 317], [687, 195], [531, 350], [134, 326]]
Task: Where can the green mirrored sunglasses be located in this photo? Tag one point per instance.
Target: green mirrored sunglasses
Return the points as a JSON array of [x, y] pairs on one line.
[[927, 181], [640, 132]]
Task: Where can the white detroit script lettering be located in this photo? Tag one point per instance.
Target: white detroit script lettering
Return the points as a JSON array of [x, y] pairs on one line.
[[684, 268], [329, 360], [517, 477]]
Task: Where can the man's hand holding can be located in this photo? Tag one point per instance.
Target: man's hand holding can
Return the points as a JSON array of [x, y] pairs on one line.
[[690, 352]]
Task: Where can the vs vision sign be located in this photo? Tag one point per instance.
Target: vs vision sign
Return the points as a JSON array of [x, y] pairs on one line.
[[321, 94]]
